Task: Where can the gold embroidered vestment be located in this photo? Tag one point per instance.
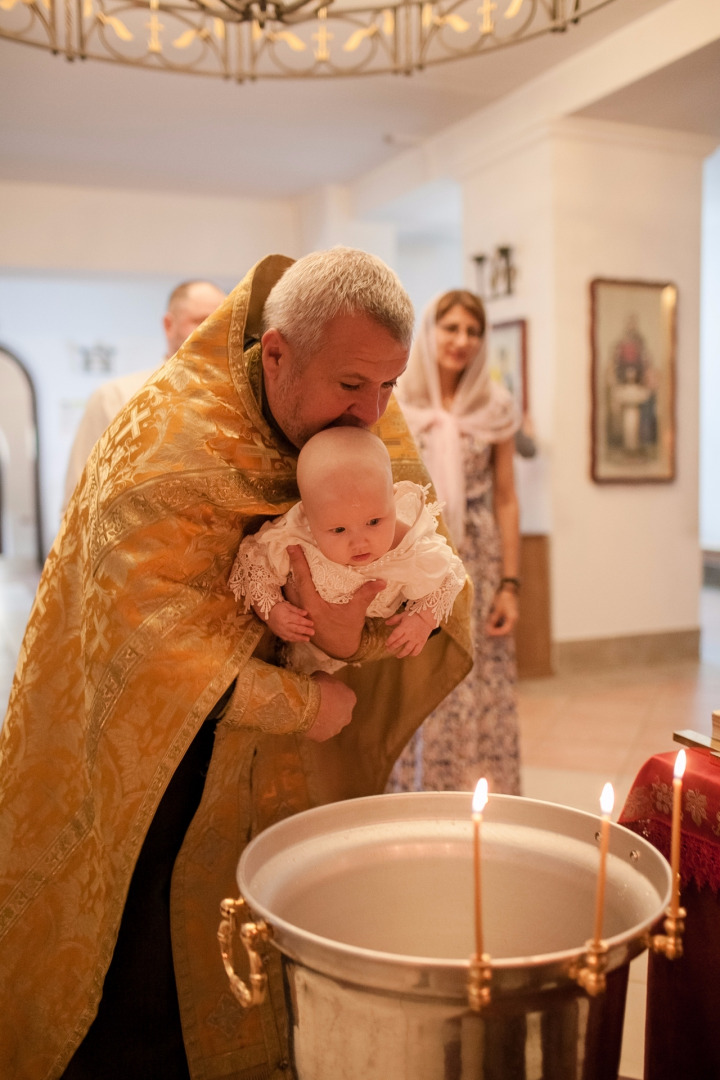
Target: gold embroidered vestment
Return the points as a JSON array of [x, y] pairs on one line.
[[133, 637]]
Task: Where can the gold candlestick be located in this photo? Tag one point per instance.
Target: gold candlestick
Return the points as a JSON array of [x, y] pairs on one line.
[[607, 800], [678, 772]]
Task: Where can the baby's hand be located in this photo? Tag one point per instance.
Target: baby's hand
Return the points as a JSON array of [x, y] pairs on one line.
[[290, 623], [410, 633]]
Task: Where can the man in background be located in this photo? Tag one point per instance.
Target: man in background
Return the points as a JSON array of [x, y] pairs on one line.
[[189, 304]]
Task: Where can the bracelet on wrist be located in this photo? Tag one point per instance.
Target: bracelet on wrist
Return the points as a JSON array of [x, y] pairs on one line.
[[514, 582]]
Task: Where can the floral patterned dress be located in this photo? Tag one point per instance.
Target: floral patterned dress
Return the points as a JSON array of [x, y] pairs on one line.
[[474, 732]]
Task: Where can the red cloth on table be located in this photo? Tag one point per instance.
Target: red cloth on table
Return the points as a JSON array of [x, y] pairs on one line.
[[648, 812], [683, 996]]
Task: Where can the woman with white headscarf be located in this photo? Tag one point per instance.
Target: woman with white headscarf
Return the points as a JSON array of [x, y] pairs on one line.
[[464, 424]]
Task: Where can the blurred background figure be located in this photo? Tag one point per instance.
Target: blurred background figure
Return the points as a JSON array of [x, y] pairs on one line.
[[465, 425], [189, 304]]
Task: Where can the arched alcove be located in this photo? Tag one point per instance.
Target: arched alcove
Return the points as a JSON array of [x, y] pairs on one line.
[[20, 515]]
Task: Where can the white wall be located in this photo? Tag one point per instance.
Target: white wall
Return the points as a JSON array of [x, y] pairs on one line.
[[710, 359], [47, 321], [586, 199], [326, 219], [68, 228], [625, 557], [86, 267], [429, 264], [573, 206], [511, 201]]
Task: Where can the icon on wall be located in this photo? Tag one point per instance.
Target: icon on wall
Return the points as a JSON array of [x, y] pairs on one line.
[[507, 359], [633, 333], [97, 359]]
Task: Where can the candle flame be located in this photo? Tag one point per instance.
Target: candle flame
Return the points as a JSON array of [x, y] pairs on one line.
[[607, 799], [680, 762], [480, 797]]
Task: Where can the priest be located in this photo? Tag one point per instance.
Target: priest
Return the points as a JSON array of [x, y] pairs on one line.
[[150, 732]]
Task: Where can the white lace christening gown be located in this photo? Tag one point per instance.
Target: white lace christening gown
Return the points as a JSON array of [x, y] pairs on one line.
[[422, 572]]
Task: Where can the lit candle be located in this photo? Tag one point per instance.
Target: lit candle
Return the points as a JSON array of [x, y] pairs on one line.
[[478, 805], [607, 800], [678, 771]]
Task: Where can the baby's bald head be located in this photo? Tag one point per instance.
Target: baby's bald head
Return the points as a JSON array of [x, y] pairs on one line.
[[345, 481], [341, 454]]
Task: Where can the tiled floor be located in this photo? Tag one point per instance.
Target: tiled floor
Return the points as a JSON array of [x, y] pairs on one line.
[[578, 731]]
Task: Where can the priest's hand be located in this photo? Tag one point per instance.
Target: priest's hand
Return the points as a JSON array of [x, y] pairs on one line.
[[336, 707], [338, 627]]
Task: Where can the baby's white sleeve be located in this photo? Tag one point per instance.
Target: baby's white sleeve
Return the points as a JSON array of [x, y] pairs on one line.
[[253, 579], [438, 564]]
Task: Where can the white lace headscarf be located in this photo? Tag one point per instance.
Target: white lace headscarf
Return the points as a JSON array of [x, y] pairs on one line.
[[480, 407]]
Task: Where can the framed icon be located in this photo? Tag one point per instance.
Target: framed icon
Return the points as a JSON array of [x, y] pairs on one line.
[[507, 359], [633, 336]]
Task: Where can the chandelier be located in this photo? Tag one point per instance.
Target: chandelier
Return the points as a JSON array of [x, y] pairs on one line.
[[253, 39]]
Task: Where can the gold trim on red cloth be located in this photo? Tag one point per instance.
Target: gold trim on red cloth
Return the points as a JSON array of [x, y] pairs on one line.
[[648, 812]]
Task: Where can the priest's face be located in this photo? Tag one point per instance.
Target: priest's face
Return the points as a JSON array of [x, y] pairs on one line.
[[347, 381]]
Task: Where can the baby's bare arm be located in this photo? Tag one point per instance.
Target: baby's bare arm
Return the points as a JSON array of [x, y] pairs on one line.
[[411, 632], [289, 622]]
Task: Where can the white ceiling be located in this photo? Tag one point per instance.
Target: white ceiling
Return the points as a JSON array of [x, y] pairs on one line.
[[684, 96], [94, 123]]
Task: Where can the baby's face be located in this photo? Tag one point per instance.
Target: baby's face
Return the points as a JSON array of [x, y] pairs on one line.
[[355, 525]]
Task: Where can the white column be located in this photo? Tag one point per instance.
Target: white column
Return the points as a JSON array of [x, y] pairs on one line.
[[579, 200]]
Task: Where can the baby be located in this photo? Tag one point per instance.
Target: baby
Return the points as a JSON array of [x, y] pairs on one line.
[[354, 525]]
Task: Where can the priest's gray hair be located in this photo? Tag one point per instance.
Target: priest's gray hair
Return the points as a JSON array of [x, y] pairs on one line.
[[340, 281]]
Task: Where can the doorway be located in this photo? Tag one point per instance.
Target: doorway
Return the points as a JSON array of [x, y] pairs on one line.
[[20, 514]]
